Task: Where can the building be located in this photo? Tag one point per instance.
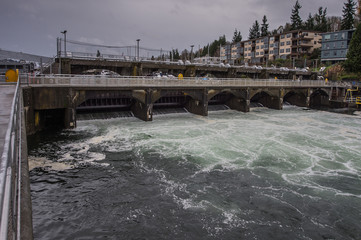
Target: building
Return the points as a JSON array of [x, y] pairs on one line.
[[22, 66], [335, 45], [293, 44]]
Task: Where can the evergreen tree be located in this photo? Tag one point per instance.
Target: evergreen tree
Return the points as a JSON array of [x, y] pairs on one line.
[[264, 27], [353, 61], [296, 21], [348, 17], [321, 23], [254, 31], [237, 37], [310, 23]]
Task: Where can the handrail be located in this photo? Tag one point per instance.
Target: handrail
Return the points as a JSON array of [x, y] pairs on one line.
[[10, 172], [145, 81]]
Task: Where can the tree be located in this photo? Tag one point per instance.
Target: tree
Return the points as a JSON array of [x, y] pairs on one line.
[[296, 21], [334, 23], [254, 31], [264, 27], [237, 37], [310, 23], [353, 61], [348, 17], [321, 23]]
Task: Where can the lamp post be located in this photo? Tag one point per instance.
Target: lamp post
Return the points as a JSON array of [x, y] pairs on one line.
[[64, 32], [192, 53], [138, 49]]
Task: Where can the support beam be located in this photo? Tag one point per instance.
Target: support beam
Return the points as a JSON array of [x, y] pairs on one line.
[[142, 111], [238, 104], [69, 118], [198, 103]]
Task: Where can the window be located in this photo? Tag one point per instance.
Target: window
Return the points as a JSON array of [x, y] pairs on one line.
[[327, 37], [271, 52], [261, 40], [282, 51], [282, 36], [257, 47], [327, 53], [257, 41], [262, 46], [282, 43], [271, 45], [342, 44], [272, 39], [288, 50], [288, 35], [288, 43], [257, 53], [343, 36], [335, 36], [334, 53]]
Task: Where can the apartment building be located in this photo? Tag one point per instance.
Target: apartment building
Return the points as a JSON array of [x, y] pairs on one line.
[[335, 45], [293, 44]]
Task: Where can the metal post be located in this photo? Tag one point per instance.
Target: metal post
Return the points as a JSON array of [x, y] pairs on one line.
[[138, 49], [59, 70], [192, 53], [64, 32]]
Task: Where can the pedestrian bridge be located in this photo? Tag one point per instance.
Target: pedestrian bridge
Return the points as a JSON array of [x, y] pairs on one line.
[[62, 96]]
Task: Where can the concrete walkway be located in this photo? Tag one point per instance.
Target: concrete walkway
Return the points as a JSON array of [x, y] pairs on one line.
[[6, 100]]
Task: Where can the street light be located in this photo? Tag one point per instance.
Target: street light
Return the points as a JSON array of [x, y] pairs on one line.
[[138, 49], [192, 53], [64, 32]]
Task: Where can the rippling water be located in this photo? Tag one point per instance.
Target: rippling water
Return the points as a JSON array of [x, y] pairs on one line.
[[266, 174]]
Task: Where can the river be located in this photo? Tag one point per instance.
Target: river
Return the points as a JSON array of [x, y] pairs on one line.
[[266, 174]]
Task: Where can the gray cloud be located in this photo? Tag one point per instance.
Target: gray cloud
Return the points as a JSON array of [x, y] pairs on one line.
[[33, 26]]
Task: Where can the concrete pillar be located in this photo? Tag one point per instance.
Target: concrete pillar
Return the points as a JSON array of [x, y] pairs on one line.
[[142, 111], [142, 108], [198, 105], [69, 118]]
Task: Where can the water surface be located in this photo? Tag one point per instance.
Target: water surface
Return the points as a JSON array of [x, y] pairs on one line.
[[266, 174]]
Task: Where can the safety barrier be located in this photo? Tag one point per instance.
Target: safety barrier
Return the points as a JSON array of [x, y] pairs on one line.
[[128, 81], [10, 172]]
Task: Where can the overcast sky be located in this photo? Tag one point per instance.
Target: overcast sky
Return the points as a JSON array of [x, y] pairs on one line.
[[32, 26]]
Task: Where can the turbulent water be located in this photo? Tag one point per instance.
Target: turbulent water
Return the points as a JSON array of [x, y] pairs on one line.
[[266, 174]]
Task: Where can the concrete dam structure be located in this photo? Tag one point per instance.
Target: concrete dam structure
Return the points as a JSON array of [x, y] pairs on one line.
[[50, 100]]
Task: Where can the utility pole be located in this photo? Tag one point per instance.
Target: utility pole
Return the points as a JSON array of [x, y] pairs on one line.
[[64, 32], [59, 54], [138, 49], [192, 53]]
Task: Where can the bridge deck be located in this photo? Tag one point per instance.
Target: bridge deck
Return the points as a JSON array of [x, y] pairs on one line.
[[6, 99]]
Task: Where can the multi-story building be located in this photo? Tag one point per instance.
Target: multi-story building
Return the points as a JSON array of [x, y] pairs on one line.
[[293, 44], [335, 45]]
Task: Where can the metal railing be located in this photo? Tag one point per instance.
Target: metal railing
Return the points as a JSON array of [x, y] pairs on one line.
[[128, 81], [10, 172]]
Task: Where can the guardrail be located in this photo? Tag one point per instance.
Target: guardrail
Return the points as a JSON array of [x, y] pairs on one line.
[[127, 81], [11, 182]]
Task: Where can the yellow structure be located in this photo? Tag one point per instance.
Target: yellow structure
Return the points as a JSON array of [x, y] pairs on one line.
[[350, 98], [11, 75], [180, 76]]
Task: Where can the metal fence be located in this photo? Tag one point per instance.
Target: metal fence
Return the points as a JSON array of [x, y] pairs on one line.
[[128, 81], [10, 172]]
